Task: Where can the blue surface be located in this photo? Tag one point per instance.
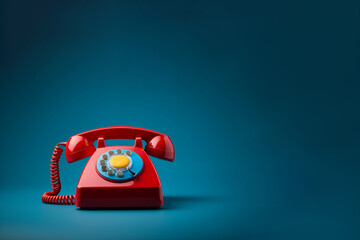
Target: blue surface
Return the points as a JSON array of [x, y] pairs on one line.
[[137, 165], [260, 98]]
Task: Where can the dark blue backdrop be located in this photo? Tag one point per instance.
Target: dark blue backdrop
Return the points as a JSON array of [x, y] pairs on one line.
[[261, 99]]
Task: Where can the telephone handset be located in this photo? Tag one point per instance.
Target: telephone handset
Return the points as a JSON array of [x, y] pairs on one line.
[[114, 176]]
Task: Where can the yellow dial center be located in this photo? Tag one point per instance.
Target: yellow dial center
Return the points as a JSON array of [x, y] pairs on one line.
[[119, 161]]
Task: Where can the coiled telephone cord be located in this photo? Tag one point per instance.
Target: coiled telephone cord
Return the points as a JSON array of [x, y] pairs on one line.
[[53, 197]]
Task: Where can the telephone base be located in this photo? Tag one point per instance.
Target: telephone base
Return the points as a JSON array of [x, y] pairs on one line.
[[119, 208], [119, 198]]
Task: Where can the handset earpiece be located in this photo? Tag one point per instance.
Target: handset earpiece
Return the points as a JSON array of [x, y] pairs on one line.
[[77, 148], [161, 147]]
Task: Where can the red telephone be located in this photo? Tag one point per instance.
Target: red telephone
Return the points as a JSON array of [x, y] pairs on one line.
[[114, 176]]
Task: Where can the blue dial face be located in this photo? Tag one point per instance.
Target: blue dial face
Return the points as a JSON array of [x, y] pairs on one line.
[[119, 164]]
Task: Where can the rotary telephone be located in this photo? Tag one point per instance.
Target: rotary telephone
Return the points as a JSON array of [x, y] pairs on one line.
[[114, 176]]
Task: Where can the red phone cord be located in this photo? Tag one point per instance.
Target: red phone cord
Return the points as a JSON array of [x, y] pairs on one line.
[[53, 197]]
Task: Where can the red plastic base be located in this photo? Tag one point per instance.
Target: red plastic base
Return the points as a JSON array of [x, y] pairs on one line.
[[94, 191]]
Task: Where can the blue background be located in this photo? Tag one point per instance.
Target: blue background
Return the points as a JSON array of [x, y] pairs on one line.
[[261, 100]]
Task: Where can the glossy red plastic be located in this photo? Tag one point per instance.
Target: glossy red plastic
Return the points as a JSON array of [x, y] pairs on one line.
[[81, 145], [94, 191]]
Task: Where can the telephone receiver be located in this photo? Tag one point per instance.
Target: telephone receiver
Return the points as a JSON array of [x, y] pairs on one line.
[[115, 176], [82, 145]]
